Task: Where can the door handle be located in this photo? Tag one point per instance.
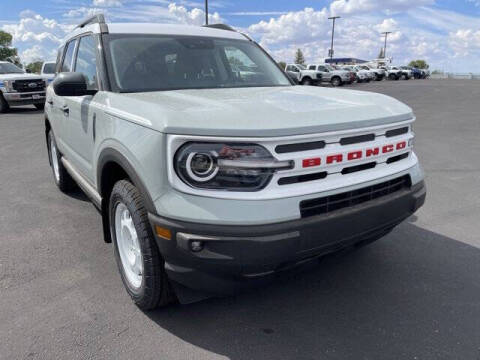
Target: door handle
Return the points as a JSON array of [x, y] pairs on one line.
[[66, 110]]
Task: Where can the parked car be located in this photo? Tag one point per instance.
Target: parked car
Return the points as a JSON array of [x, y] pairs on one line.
[[302, 75], [208, 182], [19, 88], [330, 74], [393, 73], [407, 72], [353, 74], [48, 71], [378, 73], [361, 74]]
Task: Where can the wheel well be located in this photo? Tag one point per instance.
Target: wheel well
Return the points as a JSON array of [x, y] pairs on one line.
[[306, 78], [110, 174]]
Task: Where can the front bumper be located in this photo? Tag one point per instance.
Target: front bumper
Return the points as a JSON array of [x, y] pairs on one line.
[[18, 98], [235, 257]]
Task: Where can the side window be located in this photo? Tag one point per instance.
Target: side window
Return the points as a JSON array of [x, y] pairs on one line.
[[295, 69], [86, 62], [67, 60], [322, 68], [311, 67]]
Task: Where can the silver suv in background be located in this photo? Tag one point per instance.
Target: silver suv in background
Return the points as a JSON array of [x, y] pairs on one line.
[[330, 74], [19, 88]]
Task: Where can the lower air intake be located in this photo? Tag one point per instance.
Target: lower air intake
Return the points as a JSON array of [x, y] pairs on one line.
[[344, 200]]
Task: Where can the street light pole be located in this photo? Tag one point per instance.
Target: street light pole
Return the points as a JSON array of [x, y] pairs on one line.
[[206, 12], [333, 33], [385, 48]]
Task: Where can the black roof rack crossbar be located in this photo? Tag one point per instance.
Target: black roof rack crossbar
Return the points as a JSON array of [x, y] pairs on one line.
[[95, 19], [221, 27]]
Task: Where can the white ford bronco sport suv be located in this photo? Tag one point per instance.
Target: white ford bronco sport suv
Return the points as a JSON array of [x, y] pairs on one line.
[[19, 88], [209, 181]]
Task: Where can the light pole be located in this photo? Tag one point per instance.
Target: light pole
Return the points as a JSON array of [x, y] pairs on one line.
[[385, 48], [333, 34], [206, 12]]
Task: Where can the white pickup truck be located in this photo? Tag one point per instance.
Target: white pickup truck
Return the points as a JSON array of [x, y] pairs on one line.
[[330, 74], [299, 73], [48, 71], [19, 88]]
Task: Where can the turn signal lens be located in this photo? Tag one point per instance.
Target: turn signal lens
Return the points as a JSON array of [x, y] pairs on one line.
[[163, 233]]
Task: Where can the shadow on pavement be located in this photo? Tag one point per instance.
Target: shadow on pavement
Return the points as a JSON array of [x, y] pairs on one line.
[[406, 296]]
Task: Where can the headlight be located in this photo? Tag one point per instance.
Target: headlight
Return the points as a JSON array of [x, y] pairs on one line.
[[8, 85], [223, 166]]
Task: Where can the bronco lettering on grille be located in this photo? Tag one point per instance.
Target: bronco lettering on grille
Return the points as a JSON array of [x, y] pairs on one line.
[[355, 155]]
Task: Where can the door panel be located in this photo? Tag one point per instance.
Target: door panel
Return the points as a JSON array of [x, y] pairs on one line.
[[80, 115]]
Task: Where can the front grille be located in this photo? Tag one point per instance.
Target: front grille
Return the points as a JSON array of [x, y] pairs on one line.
[[28, 85], [347, 199]]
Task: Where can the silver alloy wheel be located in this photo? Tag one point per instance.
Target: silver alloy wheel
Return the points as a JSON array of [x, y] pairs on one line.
[[128, 246], [53, 152]]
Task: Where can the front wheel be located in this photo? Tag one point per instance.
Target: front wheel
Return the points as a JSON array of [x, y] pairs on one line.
[[336, 81], [3, 105], [139, 261], [307, 81]]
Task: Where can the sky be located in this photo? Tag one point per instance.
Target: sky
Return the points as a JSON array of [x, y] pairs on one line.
[[446, 33]]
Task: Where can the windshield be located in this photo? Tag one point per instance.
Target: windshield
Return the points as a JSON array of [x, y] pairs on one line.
[[155, 62], [8, 68], [301, 67], [329, 67], [49, 68]]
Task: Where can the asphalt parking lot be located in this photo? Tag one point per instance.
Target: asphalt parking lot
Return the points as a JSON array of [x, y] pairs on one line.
[[412, 295]]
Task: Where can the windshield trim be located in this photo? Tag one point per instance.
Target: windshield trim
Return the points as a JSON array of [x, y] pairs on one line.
[[106, 38]]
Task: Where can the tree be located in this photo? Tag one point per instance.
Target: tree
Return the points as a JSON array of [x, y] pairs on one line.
[[419, 64], [282, 64], [299, 58], [6, 50], [35, 67]]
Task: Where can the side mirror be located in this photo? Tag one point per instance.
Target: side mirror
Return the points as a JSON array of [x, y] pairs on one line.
[[71, 84]]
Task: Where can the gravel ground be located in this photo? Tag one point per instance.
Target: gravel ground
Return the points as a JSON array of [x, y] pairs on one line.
[[412, 295]]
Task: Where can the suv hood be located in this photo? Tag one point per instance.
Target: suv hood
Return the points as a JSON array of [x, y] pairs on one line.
[[255, 112], [20, 77]]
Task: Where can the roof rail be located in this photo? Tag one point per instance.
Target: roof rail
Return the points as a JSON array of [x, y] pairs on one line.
[[221, 27], [95, 19]]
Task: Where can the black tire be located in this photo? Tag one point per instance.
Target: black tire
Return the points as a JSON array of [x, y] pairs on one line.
[[307, 81], [392, 77], [40, 106], [336, 81], [155, 289], [3, 105], [63, 179]]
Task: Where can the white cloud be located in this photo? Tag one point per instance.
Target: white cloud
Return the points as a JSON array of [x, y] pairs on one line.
[[107, 3], [195, 16], [339, 7], [83, 12], [36, 37]]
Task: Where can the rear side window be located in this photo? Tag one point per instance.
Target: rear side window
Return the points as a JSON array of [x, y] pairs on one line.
[[86, 62], [67, 60]]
